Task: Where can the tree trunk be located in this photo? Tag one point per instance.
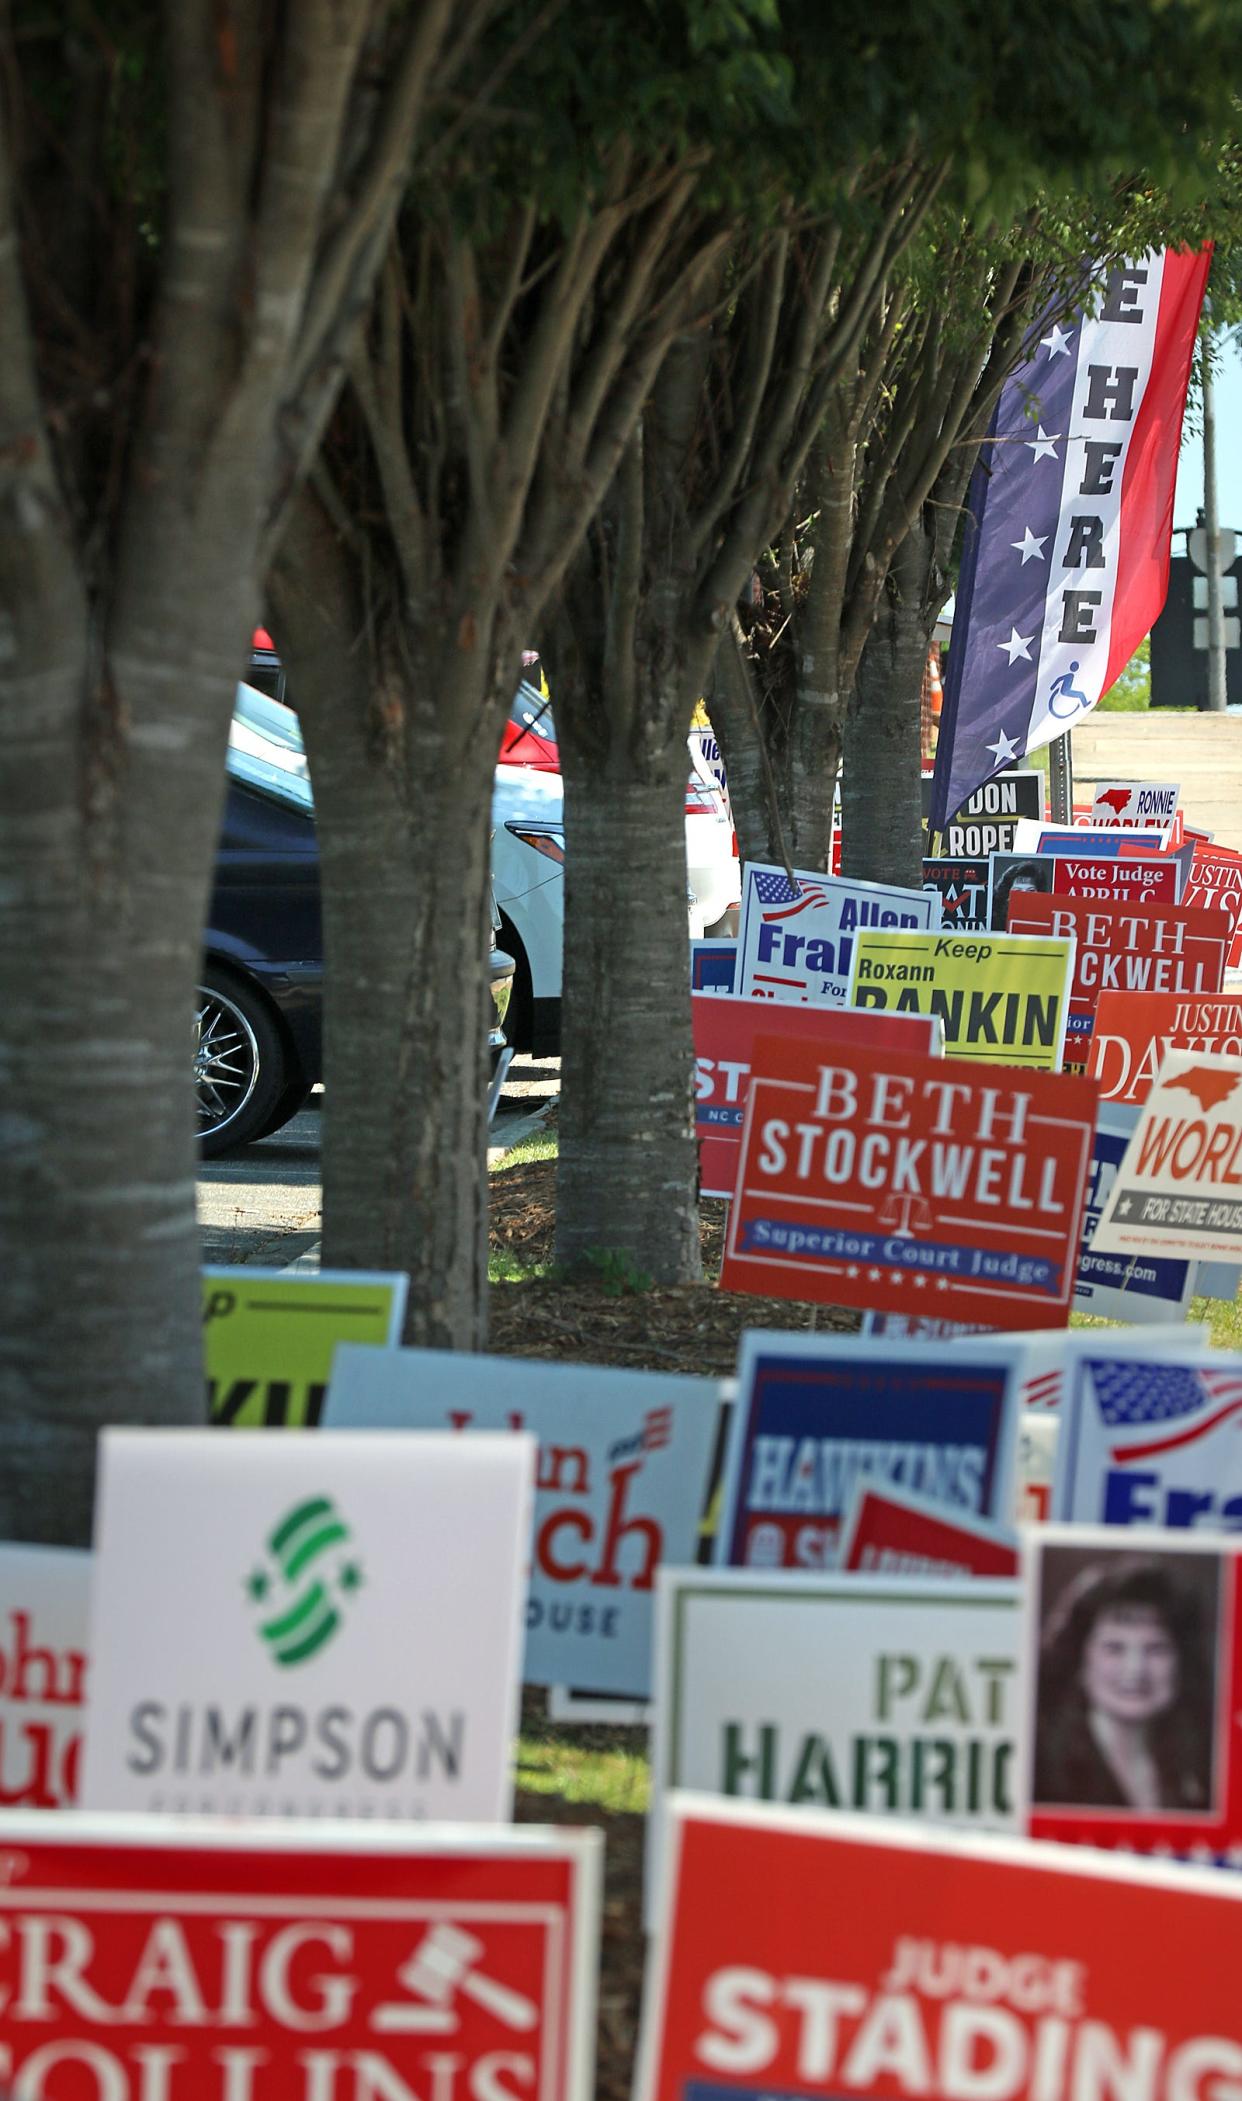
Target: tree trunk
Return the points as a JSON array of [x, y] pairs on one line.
[[751, 752], [881, 799], [403, 810], [627, 1180]]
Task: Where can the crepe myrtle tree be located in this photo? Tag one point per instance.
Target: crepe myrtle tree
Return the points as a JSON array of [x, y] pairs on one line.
[[193, 199], [522, 315]]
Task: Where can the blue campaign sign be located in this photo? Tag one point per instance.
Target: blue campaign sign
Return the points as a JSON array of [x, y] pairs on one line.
[[1150, 1437], [1129, 1287], [621, 1484], [814, 1414], [796, 939], [713, 965]]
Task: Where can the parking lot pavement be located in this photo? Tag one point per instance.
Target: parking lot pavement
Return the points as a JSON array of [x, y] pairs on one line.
[[263, 1204]]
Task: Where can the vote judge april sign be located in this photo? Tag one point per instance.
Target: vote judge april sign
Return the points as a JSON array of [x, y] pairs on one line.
[[182, 1960], [903, 1183], [804, 1953]]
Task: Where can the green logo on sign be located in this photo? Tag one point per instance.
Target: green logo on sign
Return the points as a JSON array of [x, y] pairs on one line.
[[303, 1581]]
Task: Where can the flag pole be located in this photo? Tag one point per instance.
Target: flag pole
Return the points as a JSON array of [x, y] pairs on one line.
[[1061, 779]]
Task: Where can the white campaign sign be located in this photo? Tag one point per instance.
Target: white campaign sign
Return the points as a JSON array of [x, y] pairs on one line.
[[1135, 803], [1178, 1189], [290, 1625], [621, 1481], [1152, 1438], [44, 1612], [884, 1694], [798, 944]]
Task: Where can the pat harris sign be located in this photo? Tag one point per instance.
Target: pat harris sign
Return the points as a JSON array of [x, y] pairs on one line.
[[621, 1482], [177, 1959], [1001, 997], [910, 1184], [796, 940], [268, 1337], [896, 1696], [302, 1626], [801, 1953]]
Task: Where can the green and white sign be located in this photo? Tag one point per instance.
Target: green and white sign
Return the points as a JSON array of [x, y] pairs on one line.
[[891, 1696], [294, 1626]]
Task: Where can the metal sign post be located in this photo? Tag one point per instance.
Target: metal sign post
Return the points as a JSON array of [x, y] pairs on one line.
[[1061, 779]]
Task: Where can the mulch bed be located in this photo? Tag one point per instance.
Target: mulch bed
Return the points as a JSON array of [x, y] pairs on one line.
[[692, 1328]]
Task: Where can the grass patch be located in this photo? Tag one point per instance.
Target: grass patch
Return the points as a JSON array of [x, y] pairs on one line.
[[1221, 1317], [505, 1268], [616, 1778], [541, 1145]]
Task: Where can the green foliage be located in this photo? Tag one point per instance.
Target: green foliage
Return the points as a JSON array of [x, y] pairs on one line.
[[619, 1274], [1131, 692]]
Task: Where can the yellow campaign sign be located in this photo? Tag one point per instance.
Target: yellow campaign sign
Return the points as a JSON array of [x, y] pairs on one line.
[[1001, 997], [269, 1336]]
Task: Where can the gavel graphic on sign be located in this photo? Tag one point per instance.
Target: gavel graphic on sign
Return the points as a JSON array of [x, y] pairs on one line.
[[444, 1962]]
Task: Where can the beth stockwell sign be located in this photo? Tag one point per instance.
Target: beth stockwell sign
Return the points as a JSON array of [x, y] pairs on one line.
[[307, 1626], [620, 1485], [268, 1337], [911, 1184], [815, 1415], [161, 1959], [796, 940], [44, 1610], [804, 1953]]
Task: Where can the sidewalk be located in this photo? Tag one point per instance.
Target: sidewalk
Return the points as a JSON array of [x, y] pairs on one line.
[[1202, 753]]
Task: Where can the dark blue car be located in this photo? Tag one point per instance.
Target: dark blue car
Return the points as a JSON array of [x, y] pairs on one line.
[[258, 1043]]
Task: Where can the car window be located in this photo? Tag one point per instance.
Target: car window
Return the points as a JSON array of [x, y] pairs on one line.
[[531, 711], [273, 763]]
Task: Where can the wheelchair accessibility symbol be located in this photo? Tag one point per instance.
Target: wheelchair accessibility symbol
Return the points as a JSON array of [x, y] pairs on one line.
[[1064, 698]]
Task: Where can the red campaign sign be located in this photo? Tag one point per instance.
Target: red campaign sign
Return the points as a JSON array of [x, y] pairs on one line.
[[889, 1532], [1215, 882], [183, 1960], [1149, 879], [911, 1185], [724, 1037], [1133, 1681], [1125, 948], [806, 1952], [1135, 1031]]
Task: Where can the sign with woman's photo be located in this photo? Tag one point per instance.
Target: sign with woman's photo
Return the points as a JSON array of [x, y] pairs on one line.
[[1132, 1679]]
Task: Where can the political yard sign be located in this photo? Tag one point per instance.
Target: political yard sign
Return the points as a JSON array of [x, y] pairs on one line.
[[1135, 1032], [1178, 1190], [877, 1693], [1124, 947], [268, 1337], [1135, 803], [621, 1482], [962, 887], [725, 1030], [1151, 1438], [816, 1416], [301, 1626], [1116, 1286], [796, 941], [44, 1612], [799, 1952], [162, 1959], [889, 1531], [1132, 1681], [1000, 997], [986, 822], [908, 1184]]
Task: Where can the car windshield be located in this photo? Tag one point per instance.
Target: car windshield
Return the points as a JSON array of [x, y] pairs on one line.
[[530, 711], [266, 750]]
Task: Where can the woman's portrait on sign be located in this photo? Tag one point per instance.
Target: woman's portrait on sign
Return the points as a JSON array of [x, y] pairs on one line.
[[1126, 1687]]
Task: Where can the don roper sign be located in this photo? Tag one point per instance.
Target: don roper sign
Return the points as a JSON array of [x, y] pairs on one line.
[[885, 1179]]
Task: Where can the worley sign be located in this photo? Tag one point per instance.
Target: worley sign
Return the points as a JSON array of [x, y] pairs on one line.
[[161, 1960]]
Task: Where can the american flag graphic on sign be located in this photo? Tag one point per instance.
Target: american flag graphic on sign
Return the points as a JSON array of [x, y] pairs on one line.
[[777, 890], [1132, 1395]]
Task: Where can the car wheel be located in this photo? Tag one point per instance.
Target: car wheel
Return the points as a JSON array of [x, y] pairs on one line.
[[240, 1065], [295, 1097]]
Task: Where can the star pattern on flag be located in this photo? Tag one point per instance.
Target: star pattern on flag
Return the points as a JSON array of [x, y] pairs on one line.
[[1041, 445], [1017, 645], [1058, 343], [1136, 1392], [1004, 748], [1030, 546]]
